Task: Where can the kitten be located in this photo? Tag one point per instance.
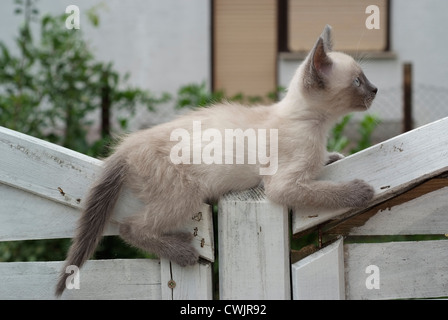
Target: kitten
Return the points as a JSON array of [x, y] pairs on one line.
[[326, 86]]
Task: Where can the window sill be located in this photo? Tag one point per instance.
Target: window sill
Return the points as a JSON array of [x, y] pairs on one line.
[[371, 55]]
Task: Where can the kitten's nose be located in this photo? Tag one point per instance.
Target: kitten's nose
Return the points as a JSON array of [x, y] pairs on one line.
[[375, 90]]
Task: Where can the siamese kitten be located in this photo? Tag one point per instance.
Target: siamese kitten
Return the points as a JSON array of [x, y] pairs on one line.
[[326, 86]]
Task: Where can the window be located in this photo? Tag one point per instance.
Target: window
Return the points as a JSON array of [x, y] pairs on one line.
[[249, 34], [245, 46], [306, 19]]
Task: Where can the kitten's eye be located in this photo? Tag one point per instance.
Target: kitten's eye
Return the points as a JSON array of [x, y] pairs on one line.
[[357, 82]]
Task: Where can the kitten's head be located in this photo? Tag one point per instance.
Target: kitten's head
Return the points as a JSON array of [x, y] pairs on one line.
[[332, 82]]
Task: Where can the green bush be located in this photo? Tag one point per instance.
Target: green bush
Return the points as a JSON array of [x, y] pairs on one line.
[[50, 90], [52, 87]]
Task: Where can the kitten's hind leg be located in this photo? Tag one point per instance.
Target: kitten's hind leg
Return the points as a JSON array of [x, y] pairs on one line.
[[175, 246]]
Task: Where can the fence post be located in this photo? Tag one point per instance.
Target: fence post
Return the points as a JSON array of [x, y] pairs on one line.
[[407, 97], [253, 247]]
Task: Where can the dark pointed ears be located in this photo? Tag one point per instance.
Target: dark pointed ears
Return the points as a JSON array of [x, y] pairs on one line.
[[319, 64], [327, 39]]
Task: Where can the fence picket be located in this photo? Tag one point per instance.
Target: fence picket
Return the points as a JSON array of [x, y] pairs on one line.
[[186, 283], [414, 269], [99, 279], [253, 247], [320, 276]]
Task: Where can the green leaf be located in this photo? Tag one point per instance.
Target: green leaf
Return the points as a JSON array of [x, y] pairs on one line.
[[123, 123], [93, 16]]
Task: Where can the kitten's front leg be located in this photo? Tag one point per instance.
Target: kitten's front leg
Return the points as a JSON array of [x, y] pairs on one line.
[[324, 194], [333, 157]]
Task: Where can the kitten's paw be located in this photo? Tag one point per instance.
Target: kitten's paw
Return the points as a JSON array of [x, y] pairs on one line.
[[188, 257], [360, 193], [333, 157], [185, 254]]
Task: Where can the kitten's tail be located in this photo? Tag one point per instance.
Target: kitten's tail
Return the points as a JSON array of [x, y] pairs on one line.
[[99, 205]]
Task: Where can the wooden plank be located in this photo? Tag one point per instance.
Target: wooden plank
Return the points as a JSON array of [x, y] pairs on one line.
[[426, 214], [253, 247], [391, 167], [25, 216], [43, 168], [404, 269], [28, 216], [320, 276], [186, 283], [44, 184], [99, 279]]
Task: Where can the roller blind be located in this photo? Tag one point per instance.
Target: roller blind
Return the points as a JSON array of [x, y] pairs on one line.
[[307, 18], [245, 46]]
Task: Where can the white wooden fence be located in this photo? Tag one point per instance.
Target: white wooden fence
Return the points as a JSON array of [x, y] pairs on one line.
[[42, 186]]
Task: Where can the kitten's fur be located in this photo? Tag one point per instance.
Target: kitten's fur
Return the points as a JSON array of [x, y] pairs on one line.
[[326, 86]]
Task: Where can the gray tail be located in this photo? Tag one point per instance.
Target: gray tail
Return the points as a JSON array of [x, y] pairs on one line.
[[98, 208]]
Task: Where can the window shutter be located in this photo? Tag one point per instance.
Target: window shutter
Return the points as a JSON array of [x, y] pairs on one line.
[[245, 46], [307, 19]]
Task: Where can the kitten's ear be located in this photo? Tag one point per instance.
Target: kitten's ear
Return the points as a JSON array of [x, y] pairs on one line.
[[320, 61], [319, 64], [327, 38]]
